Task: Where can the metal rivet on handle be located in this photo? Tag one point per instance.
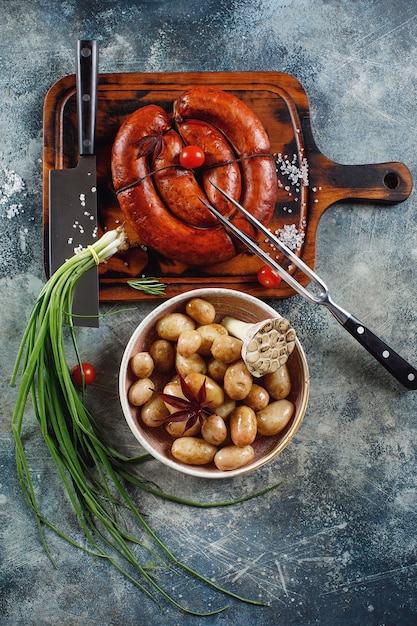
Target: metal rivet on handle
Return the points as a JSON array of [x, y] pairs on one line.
[[85, 52]]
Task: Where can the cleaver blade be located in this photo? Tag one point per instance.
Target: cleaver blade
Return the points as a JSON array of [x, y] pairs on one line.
[[73, 192]]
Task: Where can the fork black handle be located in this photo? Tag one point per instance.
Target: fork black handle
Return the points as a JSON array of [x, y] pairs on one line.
[[405, 373]]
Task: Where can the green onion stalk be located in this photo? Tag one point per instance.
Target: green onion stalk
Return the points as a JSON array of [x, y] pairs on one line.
[[95, 475]]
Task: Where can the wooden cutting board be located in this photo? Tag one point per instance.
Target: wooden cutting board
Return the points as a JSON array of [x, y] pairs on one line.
[[308, 182]]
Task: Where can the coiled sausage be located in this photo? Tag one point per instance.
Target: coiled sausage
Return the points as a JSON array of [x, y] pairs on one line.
[[145, 210], [160, 198]]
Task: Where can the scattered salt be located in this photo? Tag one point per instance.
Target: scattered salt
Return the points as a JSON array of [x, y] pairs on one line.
[[11, 185], [13, 210], [290, 236], [294, 170], [304, 171]]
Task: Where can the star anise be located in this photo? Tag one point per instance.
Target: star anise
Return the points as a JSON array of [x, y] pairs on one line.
[[192, 408], [150, 145]]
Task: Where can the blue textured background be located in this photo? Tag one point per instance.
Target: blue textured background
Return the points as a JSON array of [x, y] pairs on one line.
[[335, 545]]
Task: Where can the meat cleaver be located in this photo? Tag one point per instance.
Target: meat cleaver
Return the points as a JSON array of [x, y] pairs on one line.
[[73, 192]]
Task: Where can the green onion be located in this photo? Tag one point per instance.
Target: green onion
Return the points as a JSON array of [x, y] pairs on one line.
[[94, 474]]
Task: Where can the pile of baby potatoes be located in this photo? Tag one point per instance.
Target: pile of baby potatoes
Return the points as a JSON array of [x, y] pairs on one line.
[[191, 344]]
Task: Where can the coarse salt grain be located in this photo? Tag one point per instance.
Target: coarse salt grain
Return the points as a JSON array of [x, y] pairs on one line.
[[290, 236], [291, 170], [12, 211], [11, 185]]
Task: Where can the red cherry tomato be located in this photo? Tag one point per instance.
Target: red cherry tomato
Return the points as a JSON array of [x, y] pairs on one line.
[[268, 277], [191, 157], [89, 374]]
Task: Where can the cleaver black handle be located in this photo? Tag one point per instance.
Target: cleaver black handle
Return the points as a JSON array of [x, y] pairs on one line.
[[87, 79]]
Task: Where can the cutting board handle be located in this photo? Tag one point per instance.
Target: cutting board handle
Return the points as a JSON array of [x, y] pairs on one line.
[[388, 183]]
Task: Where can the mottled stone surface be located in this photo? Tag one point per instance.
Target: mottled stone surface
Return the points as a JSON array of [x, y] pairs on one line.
[[335, 545]]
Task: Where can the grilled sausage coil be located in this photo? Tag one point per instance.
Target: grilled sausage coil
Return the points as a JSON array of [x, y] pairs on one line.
[[160, 199]]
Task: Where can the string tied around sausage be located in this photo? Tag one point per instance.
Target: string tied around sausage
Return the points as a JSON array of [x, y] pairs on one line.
[[177, 166]]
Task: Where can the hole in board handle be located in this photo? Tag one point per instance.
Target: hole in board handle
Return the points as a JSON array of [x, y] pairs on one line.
[[391, 180]]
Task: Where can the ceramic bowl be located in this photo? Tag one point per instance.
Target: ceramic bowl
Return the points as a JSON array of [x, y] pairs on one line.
[[226, 302]]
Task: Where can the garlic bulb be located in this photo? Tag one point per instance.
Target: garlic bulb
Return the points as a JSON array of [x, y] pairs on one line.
[[266, 345]]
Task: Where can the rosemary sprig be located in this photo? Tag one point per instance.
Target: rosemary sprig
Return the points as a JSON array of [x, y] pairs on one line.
[[148, 284]]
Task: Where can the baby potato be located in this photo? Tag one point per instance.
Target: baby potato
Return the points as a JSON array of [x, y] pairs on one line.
[[141, 391], [200, 310], [193, 451], [273, 418], [257, 398], [226, 348], [173, 388], [237, 380], [243, 426], [278, 384], [142, 364], [216, 369], [227, 406], [154, 411], [163, 355], [214, 430], [170, 326], [188, 342], [208, 333], [233, 457], [179, 429], [214, 393], [193, 363]]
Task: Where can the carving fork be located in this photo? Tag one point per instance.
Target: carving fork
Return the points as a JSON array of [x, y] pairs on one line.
[[405, 373]]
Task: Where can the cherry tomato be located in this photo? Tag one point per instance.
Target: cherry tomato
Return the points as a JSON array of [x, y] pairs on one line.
[[268, 277], [89, 374], [191, 157]]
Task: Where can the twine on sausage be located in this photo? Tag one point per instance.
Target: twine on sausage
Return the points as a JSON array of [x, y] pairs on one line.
[[142, 178], [206, 169]]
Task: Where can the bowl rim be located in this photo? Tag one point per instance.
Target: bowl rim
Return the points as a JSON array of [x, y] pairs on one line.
[[150, 320]]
